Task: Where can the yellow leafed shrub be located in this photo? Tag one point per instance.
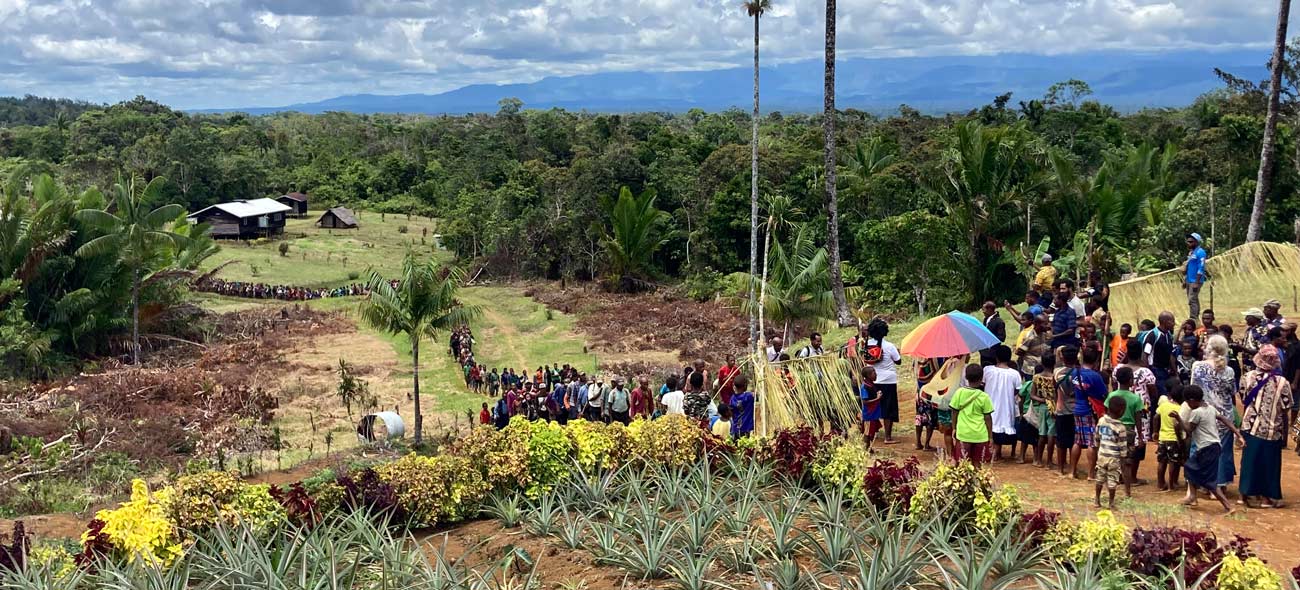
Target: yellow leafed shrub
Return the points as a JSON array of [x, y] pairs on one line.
[[139, 529], [435, 489], [1248, 574]]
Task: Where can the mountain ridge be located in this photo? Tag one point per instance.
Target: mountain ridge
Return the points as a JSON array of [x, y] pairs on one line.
[[931, 84]]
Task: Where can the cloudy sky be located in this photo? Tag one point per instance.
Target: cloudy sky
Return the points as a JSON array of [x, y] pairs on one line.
[[215, 53]]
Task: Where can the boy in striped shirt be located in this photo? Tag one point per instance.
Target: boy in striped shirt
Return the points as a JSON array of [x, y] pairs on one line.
[[1112, 447]]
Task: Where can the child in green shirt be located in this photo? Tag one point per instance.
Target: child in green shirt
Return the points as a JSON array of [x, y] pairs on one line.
[[972, 417], [1133, 411]]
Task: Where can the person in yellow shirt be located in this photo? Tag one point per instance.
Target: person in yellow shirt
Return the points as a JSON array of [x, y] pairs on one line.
[[1045, 280], [1170, 453], [722, 426]]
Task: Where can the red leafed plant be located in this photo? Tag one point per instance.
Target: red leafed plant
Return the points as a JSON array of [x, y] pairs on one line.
[[1295, 573], [13, 557], [298, 504], [1035, 525], [792, 451], [889, 485], [96, 546], [1163, 548]]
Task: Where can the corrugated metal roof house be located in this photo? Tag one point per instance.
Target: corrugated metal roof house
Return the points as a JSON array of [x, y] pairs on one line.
[[244, 219]]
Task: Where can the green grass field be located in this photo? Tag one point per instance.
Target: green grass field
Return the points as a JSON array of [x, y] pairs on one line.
[[326, 258], [514, 331]]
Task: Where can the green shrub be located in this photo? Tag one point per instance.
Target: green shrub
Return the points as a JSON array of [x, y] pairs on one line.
[[842, 465], [1103, 539], [704, 285], [950, 491], [438, 489], [284, 248], [353, 275], [549, 451]]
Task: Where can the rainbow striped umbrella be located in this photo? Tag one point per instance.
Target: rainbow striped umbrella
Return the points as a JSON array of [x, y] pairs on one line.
[[951, 334]]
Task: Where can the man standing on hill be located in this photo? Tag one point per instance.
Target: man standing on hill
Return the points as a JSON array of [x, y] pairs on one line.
[[1194, 274], [1045, 279], [775, 349]]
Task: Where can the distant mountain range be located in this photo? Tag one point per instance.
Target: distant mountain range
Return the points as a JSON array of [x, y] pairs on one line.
[[1127, 81]]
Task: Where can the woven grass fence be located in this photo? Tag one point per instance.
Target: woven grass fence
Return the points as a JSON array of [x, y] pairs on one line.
[[816, 391], [1241, 278]]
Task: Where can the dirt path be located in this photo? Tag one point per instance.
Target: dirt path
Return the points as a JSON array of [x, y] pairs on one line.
[[506, 333]]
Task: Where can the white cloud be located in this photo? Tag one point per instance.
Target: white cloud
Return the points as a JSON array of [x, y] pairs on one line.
[[201, 53]]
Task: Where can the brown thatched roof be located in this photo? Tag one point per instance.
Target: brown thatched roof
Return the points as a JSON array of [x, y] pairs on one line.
[[343, 214], [295, 196]]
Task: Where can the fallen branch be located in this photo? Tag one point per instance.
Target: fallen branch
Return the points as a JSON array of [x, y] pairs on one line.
[[79, 453]]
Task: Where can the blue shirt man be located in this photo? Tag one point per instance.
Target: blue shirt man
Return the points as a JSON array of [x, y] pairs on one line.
[[1064, 323], [1195, 260]]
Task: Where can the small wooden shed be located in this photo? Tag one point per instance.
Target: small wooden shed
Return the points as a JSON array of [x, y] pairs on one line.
[[337, 218], [295, 201]]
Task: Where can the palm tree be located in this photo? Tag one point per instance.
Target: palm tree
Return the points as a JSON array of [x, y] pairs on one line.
[[635, 237], [779, 209], [754, 8], [140, 238], [842, 315], [422, 302], [869, 158], [798, 287], [1264, 181], [987, 172]]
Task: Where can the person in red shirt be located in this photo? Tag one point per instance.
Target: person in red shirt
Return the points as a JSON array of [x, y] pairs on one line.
[[726, 378], [641, 397], [484, 416]]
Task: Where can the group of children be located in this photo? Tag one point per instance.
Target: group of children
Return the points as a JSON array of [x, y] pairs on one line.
[[1069, 413]]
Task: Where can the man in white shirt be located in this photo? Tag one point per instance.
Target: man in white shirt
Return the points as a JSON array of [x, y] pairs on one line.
[[886, 372], [674, 400], [1001, 383], [1067, 286], [775, 349]]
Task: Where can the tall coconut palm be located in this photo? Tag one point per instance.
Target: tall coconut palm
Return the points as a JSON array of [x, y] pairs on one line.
[[1264, 181], [422, 302], [140, 238], [755, 9], [842, 315]]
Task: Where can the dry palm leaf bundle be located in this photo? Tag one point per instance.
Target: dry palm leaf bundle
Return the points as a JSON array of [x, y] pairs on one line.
[[1241, 278]]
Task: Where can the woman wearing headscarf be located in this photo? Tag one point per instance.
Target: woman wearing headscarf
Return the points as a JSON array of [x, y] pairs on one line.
[[1219, 383], [1267, 403]]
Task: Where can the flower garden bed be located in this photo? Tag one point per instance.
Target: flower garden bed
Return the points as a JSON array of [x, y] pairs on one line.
[[660, 501]]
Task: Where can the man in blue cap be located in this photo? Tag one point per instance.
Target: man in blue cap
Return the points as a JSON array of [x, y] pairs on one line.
[[1195, 273]]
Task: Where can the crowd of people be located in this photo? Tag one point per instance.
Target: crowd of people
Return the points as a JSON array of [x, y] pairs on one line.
[[1072, 390], [559, 392], [1073, 394], [281, 292]]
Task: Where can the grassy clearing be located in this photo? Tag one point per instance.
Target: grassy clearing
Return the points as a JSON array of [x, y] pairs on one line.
[[327, 258]]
